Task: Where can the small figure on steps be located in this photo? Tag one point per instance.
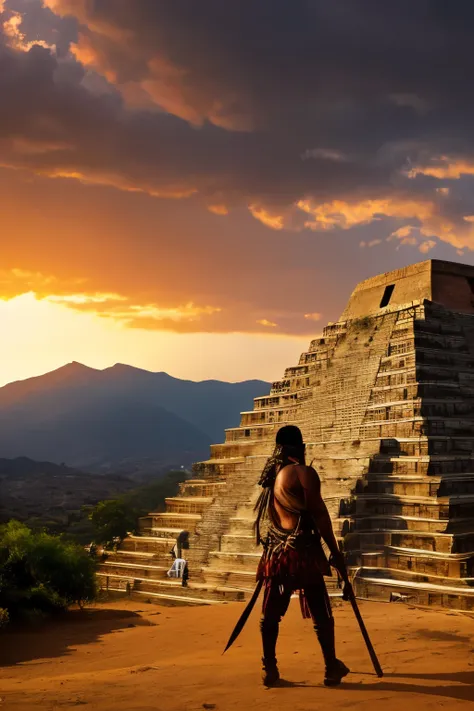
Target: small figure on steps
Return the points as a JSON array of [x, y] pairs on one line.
[[185, 576]]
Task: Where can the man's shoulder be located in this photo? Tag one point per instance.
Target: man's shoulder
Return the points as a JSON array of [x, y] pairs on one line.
[[306, 473], [289, 469], [306, 468], [298, 470]]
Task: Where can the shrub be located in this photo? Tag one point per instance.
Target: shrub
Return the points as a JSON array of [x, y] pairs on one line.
[[40, 573]]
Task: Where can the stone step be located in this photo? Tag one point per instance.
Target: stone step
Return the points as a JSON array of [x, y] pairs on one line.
[[169, 534], [452, 567], [456, 486], [415, 593], [400, 487], [234, 543], [231, 561], [386, 522], [430, 468], [417, 577], [419, 540], [173, 522], [164, 541], [242, 579], [147, 544], [196, 590], [241, 525], [369, 497], [178, 599], [201, 488], [130, 556], [188, 504], [138, 559], [391, 505], [173, 593], [176, 520], [133, 570]]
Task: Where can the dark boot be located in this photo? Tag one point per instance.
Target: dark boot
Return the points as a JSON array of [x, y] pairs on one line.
[[269, 628], [335, 673], [270, 673], [335, 669]]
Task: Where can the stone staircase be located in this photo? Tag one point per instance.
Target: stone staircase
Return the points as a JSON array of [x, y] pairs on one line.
[[411, 528]]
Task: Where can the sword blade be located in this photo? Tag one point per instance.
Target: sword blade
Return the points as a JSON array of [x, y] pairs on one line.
[[244, 616]]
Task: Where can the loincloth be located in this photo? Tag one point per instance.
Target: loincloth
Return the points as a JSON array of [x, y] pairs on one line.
[[292, 558], [292, 561]]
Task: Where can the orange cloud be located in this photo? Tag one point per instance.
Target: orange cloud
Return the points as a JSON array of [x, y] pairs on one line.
[[276, 222], [13, 34], [406, 235], [426, 246], [344, 214], [84, 299], [16, 281], [371, 243], [89, 55], [313, 317], [443, 167], [432, 221], [115, 180], [218, 209], [265, 322]]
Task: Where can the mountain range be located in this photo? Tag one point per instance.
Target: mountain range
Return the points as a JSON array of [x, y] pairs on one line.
[[121, 418]]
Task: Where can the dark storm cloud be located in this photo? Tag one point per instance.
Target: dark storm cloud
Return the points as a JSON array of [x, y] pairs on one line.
[[324, 114], [274, 63]]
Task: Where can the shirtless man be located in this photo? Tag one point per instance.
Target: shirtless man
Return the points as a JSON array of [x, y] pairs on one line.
[[296, 518]]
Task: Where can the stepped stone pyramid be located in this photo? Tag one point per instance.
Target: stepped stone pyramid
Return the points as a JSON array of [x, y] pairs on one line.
[[385, 401]]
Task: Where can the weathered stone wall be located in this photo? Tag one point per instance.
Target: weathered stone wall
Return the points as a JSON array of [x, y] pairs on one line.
[[446, 283], [412, 283]]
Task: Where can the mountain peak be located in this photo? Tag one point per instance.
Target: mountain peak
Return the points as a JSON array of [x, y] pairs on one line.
[[70, 370], [75, 366]]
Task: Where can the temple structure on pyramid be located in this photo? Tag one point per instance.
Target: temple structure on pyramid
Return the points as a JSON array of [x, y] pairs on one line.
[[385, 401]]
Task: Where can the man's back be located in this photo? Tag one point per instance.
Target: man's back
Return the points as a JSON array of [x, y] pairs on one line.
[[290, 495]]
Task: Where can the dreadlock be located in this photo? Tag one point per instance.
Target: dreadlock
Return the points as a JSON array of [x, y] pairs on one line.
[[289, 446]]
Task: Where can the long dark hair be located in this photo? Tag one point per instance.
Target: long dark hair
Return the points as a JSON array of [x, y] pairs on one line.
[[289, 447]]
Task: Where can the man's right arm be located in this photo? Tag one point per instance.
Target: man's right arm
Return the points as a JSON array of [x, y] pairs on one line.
[[311, 484]]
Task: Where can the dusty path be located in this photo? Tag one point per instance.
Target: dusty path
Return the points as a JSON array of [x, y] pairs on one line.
[[128, 656]]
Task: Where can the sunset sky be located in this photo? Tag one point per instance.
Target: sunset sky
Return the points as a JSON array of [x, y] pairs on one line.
[[196, 186]]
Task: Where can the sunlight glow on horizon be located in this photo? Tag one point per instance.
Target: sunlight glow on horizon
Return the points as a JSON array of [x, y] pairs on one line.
[[40, 336]]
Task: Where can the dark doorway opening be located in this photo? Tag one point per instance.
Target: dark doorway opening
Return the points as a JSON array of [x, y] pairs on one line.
[[387, 295]]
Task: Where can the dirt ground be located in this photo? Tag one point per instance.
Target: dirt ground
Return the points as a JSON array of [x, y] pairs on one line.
[[129, 656]]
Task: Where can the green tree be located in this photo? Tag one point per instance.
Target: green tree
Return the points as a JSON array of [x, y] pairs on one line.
[[112, 520]]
